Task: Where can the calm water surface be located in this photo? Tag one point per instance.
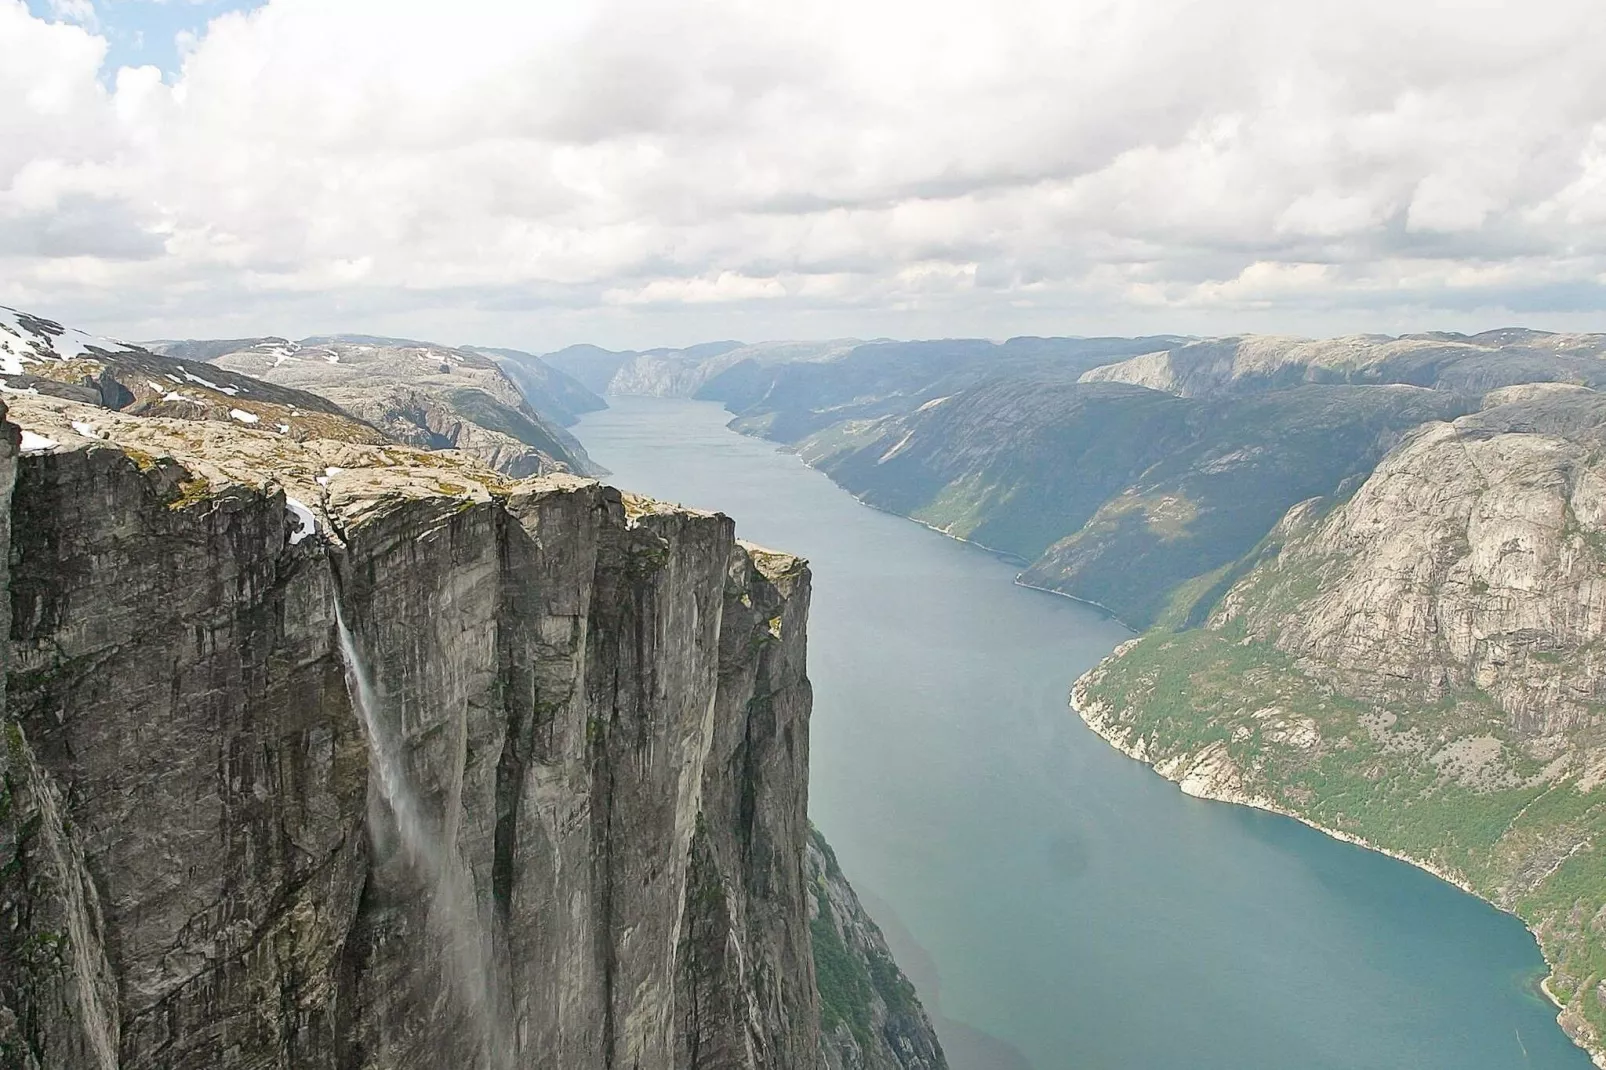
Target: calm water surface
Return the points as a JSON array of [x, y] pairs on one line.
[[1061, 904]]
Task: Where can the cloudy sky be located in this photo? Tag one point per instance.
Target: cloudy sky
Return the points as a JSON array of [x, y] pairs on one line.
[[640, 172]]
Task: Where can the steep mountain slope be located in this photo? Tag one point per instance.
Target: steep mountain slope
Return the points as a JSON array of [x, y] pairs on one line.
[[424, 395], [1418, 665], [1119, 469], [552, 393], [682, 372], [1117, 493], [663, 372], [591, 366], [790, 401]]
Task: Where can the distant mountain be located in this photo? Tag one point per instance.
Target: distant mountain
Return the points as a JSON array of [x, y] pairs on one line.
[[434, 397], [552, 392], [1467, 364], [39, 356]]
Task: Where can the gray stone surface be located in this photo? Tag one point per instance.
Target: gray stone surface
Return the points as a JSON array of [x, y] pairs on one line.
[[602, 703]]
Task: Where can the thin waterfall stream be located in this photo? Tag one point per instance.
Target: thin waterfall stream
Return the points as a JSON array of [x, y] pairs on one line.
[[453, 911]]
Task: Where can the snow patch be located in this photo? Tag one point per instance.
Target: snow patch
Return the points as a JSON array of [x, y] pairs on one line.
[[32, 443], [284, 429], [243, 416], [7, 388], [307, 523], [41, 340], [933, 403], [87, 430], [229, 390]]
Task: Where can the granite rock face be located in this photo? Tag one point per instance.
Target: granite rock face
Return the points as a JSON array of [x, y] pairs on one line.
[[1470, 559], [600, 710]]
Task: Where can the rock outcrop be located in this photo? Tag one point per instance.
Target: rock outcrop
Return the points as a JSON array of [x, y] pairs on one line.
[[601, 712]]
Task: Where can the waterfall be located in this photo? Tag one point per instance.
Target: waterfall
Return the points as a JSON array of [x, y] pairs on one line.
[[453, 912]]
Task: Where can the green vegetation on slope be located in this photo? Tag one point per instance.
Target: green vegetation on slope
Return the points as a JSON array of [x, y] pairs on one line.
[[861, 988], [1119, 494], [1378, 773]]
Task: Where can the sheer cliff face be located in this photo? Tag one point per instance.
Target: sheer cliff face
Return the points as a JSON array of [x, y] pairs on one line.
[[601, 704]]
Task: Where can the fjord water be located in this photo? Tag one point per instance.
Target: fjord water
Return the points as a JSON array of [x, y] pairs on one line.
[[1061, 905]]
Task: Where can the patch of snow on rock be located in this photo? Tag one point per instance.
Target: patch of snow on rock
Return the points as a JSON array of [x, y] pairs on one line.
[[243, 416], [229, 390], [87, 430], [303, 517], [32, 443]]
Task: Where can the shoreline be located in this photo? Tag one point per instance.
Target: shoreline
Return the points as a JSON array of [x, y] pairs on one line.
[[1101, 726], [1201, 789]]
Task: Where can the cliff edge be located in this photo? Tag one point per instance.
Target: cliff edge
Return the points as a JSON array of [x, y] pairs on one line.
[[345, 754]]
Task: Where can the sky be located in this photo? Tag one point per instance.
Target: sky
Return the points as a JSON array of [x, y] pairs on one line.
[[645, 172]]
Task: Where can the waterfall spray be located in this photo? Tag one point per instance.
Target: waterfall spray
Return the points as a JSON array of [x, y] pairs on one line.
[[453, 911]]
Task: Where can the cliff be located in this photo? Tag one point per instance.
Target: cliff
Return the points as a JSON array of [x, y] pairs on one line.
[[325, 753], [1416, 665]]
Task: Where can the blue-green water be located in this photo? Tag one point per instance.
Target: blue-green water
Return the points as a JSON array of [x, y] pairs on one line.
[[1076, 910]]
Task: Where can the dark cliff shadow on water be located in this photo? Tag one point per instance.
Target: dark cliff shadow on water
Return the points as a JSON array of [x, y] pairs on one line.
[[966, 1047]]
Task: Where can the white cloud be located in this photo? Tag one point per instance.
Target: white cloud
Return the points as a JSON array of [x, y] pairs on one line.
[[79, 11], [645, 171]]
